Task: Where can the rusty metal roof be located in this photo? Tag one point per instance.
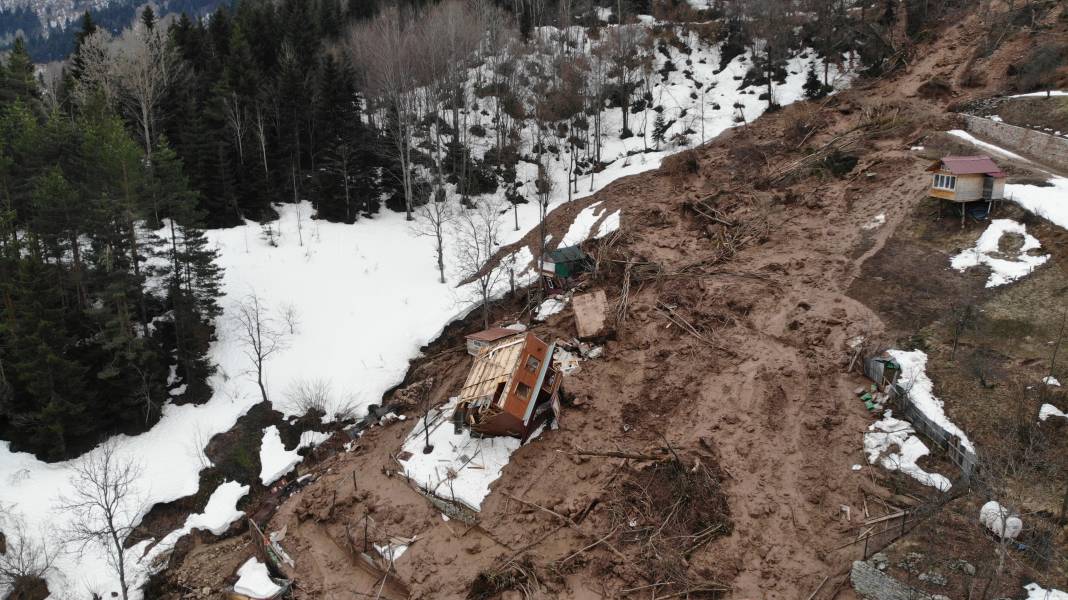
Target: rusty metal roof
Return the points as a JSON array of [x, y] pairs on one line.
[[969, 165], [493, 334]]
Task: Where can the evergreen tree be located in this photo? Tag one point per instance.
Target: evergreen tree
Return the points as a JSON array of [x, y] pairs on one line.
[[659, 129], [813, 87]]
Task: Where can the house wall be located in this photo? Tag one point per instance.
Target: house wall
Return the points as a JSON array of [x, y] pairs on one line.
[[514, 404], [1043, 148], [999, 189], [969, 187]]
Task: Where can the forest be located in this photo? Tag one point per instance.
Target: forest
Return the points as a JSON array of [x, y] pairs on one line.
[[111, 171]]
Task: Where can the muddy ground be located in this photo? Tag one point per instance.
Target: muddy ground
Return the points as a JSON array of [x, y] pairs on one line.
[[730, 350]]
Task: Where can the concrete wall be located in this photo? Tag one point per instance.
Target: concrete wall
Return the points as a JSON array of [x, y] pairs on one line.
[[1043, 148], [873, 584]]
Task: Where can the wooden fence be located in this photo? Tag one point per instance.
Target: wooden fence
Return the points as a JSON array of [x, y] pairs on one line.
[[961, 456], [878, 369]]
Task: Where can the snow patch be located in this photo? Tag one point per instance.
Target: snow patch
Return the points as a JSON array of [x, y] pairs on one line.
[[1002, 270], [876, 222], [920, 388], [549, 307], [580, 228], [1051, 380], [275, 460], [894, 433], [460, 468], [971, 139], [1048, 410], [1047, 202], [608, 225], [1037, 592], [254, 580], [1000, 520], [1042, 94]]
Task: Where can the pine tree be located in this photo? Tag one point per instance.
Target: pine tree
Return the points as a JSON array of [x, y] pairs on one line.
[[814, 88], [148, 18], [659, 129]]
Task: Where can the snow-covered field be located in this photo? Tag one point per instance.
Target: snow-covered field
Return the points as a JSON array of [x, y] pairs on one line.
[[364, 298]]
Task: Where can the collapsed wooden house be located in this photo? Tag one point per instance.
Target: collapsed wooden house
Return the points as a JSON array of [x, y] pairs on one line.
[[512, 388]]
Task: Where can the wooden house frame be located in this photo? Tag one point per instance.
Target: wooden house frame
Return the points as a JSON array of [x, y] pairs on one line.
[[512, 388]]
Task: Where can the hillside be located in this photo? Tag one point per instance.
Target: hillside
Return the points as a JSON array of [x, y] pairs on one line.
[[731, 361]]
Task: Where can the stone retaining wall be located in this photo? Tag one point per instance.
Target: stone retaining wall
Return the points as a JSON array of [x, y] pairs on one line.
[[1041, 147], [873, 584]]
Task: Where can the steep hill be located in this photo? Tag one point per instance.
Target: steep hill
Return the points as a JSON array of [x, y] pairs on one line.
[[739, 275]]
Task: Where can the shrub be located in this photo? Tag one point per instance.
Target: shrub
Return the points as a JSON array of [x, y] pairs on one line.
[[682, 163]]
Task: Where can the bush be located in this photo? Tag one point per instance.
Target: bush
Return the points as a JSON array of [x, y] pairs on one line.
[[935, 87], [839, 163], [682, 163]]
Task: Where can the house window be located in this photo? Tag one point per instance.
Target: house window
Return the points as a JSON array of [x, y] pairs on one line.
[[522, 390], [945, 182], [533, 364]]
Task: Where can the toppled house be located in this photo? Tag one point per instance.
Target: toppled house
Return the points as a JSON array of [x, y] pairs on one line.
[[478, 341], [512, 388], [965, 179], [562, 264]]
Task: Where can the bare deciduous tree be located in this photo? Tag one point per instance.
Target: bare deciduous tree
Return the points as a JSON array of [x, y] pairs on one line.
[[433, 220], [25, 559], [146, 67], [104, 506], [477, 232], [261, 335], [386, 52]]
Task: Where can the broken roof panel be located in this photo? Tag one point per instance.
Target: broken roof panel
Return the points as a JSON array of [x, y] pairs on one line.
[[492, 367], [969, 165], [493, 334]]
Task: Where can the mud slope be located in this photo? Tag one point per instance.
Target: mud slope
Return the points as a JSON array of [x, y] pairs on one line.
[[732, 351]]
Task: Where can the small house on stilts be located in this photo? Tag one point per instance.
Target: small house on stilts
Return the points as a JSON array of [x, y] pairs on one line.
[[971, 182]]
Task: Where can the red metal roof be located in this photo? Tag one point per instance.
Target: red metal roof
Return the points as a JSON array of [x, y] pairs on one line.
[[971, 165], [493, 334]]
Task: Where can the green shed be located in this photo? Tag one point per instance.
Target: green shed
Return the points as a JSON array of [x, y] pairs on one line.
[[565, 262]]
